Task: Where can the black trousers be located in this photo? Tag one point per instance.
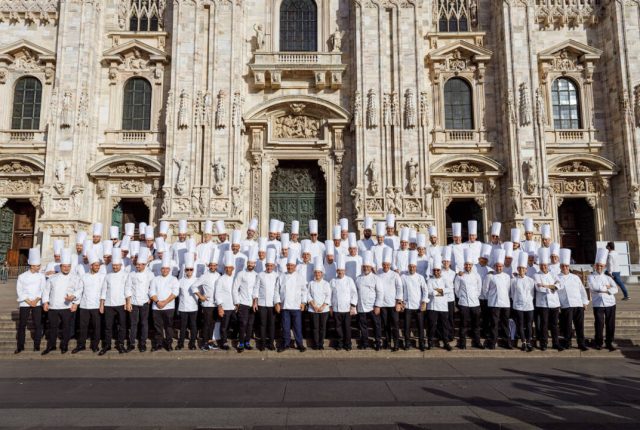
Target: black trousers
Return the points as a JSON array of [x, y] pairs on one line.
[[224, 327], [343, 328], [573, 316], [438, 322], [390, 324], [485, 315], [246, 317], [548, 322], [209, 317], [110, 314], [499, 320], [364, 327], [409, 315], [190, 319], [469, 321], [56, 317], [89, 316], [319, 320], [452, 309], [267, 325], [139, 315], [605, 316], [524, 324], [163, 325], [36, 317]]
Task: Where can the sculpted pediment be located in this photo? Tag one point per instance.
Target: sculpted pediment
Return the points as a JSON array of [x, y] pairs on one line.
[[26, 56], [134, 54], [571, 48], [460, 50]]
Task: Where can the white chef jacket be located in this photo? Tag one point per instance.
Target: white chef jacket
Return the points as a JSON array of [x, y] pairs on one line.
[[483, 271], [496, 290], [392, 242], [572, 294], [451, 276], [30, 286], [523, 292], [366, 243], [554, 268], [90, 290], [178, 250], [438, 303], [370, 292], [532, 271], [188, 300], [52, 267], [378, 251], [344, 247], [290, 291], [423, 266], [295, 247], [317, 249], [204, 251], [320, 294], [246, 245], [343, 294], [243, 287], [224, 292], [265, 287], [261, 266], [207, 285], [281, 264], [468, 287], [601, 297], [475, 249], [306, 271], [137, 287], [401, 261], [414, 290], [113, 289], [546, 298], [275, 244], [391, 287], [156, 265], [57, 288], [329, 271], [529, 245], [162, 287], [457, 257], [353, 266]]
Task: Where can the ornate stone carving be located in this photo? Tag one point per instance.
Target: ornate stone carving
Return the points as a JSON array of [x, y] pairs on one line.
[[394, 108], [531, 205], [371, 173], [372, 109], [525, 105], [356, 194], [132, 187], [101, 188], [511, 111], [166, 202], [428, 199], [546, 199], [16, 167], [259, 30], [219, 176], [591, 201], [456, 62], [424, 109], [463, 167], [183, 114], [559, 13], [530, 182], [60, 177], [148, 10], [413, 205], [481, 201], [115, 201], [168, 110], [356, 117], [634, 199], [207, 109], [3, 201], [236, 201], [182, 177], [221, 112], [182, 205], [83, 107], [462, 187], [127, 168], [66, 116], [198, 109], [296, 127], [219, 205], [393, 199], [60, 206], [236, 114], [336, 40], [374, 205], [40, 12], [514, 193], [540, 109], [559, 201], [412, 177], [196, 209], [636, 104], [76, 199], [574, 166], [409, 109]]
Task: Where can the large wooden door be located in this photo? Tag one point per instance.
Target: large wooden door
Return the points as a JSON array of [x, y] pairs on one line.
[[6, 231], [298, 192], [17, 223], [463, 210], [129, 211], [577, 229]]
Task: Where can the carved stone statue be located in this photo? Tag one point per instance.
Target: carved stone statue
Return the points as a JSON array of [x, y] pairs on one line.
[[357, 201], [166, 200], [372, 109], [260, 42], [236, 201], [221, 112], [182, 176], [371, 172], [393, 198], [525, 106], [356, 118], [540, 110], [66, 117], [219, 175], [183, 114], [424, 109], [336, 39], [76, 199], [412, 177], [634, 199], [530, 182], [409, 109], [515, 200]]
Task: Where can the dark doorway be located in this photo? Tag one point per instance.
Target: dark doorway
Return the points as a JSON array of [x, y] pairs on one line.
[[577, 230], [129, 210], [298, 192], [463, 210], [17, 224]]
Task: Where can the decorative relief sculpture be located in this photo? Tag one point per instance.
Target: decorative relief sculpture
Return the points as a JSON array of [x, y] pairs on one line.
[[182, 177], [462, 167], [356, 118], [336, 40], [221, 112], [260, 41], [183, 114], [198, 109], [424, 109], [372, 109], [636, 104], [540, 109], [514, 193], [296, 127], [168, 113], [83, 108], [412, 177], [634, 199], [386, 109], [208, 108], [409, 109], [66, 117], [394, 108], [166, 201], [76, 199], [511, 111], [530, 182], [219, 176], [393, 198], [356, 195], [60, 177], [236, 201], [371, 173], [15, 167], [574, 166], [525, 105], [236, 114]]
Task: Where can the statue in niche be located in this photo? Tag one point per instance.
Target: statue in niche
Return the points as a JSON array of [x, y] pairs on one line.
[[336, 39], [260, 41], [181, 179]]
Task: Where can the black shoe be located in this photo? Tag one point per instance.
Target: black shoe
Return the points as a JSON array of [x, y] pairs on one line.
[[361, 347], [407, 347], [143, 348], [611, 348], [477, 345], [543, 347], [529, 347], [36, 348], [583, 348], [240, 349], [225, 347], [121, 349], [559, 348], [422, 347], [169, 347], [429, 346], [626, 298], [77, 349], [192, 347], [280, 349], [63, 350], [179, 347], [509, 346], [18, 350], [131, 347], [47, 350], [462, 345], [103, 351], [347, 348], [523, 347], [270, 347], [490, 346], [248, 347], [261, 348], [598, 347], [447, 346], [302, 349]]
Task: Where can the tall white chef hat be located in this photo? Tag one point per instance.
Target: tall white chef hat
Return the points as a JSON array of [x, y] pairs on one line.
[[236, 237], [58, 245], [129, 229], [446, 253], [515, 235], [142, 228], [344, 224], [413, 236], [292, 258], [143, 255], [189, 261], [437, 262], [252, 254], [166, 260], [97, 229], [543, 256], [86, 246], [472, 227], [341, 263], [159, 244], [262, 243], [148, 233], [313, 226], [336, 232], [433, 231], [92, 257], [381, 228], [456, 229], [114, 232], [508, 249], [421, 240], [117, 256], [329, 248], [65, 256], [387, 255], [280, 226], [107, 247], [191, 245], [413, 258], [295, 227], [253, 224], [498, 257], [485, 251], [125, 243], [404, 234], [229, 259], [565, 256], [318, 265], [163, 228], [208, 227], [368, 223], [305, 246], [271, 256], [134, 248], [554, 249], [391, 220], [34, 257], [353, 242], [284, 240], [80, 237], [273, 225], [215, 255], [220, 228], [495, 228], [523, 259], [545, 231], [601, 256], [468, 256], [182, 226], [367, 259], [528, 224]]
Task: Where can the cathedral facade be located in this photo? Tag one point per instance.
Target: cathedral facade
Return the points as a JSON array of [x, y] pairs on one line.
[[435, 110]]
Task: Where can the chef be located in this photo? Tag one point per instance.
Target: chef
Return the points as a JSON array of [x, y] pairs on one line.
[[573, 302], [112, 301], [163, 291], [415, 296], [89, 293], [290, 298], [137, 296], [603, 290], [30, 287]]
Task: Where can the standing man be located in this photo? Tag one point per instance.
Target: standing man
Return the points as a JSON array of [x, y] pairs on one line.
[[370, 301], [319, 303], [547, 300], [380, 246], [206, 293], [163, 292], [415, 296], [344, 298], [438, 308], [523, 292], [60, 301], [367, 242], [90, 309], [224, 298], [263, 296], [317, 247], [496, 289], [30, 287], [603, 290], [392, 298], [473, 243], [188, 303], [467, 288], [290, 298], [529, 245], [243, 287], [573, 302], [391, 240], [136, 292], [613, 269], [112, 301]]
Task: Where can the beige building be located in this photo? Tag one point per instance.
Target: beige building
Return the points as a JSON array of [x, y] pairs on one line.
[[435, 110]]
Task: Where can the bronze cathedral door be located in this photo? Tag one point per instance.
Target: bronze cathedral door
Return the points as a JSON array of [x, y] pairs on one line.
[[298, 192]]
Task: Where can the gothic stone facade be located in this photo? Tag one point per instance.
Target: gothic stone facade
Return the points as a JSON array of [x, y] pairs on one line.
[[368, 104]]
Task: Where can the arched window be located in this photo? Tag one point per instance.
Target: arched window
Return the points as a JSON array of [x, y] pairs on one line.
[[566, 104], [458, 108], [453, 15], [298, 25], [27, 100], [144, 15], [136, 112]]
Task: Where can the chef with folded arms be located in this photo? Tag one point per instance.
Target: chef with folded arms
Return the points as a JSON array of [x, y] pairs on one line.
[[496, 289], [206, 286], [467, 287], [523, 292], [547, 301], [30, 287], [438, 308], [224, 297], [243, 287], [370, 300], [391, 301], [290, 298]]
